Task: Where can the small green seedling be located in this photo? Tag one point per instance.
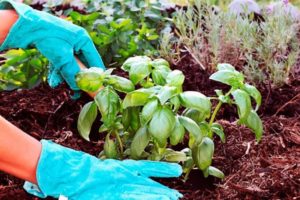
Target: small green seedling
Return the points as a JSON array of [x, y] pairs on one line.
[[148, 121]]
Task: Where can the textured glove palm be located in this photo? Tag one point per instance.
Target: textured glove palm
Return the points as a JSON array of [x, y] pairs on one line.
[[57, 39], [79, 176]]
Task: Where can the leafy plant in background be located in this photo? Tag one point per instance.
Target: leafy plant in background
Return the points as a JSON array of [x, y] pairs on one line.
[[121, 29], [148, 122], [22, 69]]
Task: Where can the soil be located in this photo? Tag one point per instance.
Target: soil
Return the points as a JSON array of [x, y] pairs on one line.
[[266, 170]]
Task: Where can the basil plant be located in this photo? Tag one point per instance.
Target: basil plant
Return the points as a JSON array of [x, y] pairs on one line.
[[146, 115]]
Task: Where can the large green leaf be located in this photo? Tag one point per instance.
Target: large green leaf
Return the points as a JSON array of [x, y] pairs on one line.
[[110, 148], [243, 102], [175, 78], [229, 77], [254, 93], [121, 84], [133, 61], [130, 118], [196, 100], [160, 62], [148, 111], [139, 142], [86, 119], [158, 77], [177, 133], [255, 124], [108, 103], [161, 125], [192, 127], [90, 80], [203, 153], [139, 71], [194, 114], [136, 98], [166, 93]]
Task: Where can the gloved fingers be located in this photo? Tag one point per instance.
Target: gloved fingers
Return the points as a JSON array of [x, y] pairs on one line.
[[153, 168], [61, 56], [54, 77], [69, 71], [150, 188], [87, 52]]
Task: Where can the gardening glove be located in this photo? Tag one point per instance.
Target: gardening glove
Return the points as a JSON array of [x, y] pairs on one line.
[[80, 176], [57, 39]]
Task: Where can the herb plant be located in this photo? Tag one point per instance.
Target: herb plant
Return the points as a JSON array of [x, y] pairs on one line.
[[148, 121]]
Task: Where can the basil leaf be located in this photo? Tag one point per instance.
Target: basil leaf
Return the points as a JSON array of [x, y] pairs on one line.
[[134, 60], [196, 100], [228, 77], [110, 148], [254, 93], [243, 102], [177, 133], [225, 66], [166, 93], [255, 124], [213, 171], [139, 142], [148, 111], [90, 80], [174, 156], [159, 62], [121, 84], [175, 78], [86, 119], [192, 127], [136, 98], [218, 129], [203, 153], [108, 103], [161, 125]]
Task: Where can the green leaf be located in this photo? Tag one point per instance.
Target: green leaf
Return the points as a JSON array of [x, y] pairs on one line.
[[110, 148], [218, 129], [213, 171], [134, 61], [255, 124], [203, 153], [196, 100], [108, 103], [175, 78], [159, 62], [174, 156], [161, 125], [254, 93], [229, 77], [90, 80], [86, 119], [194, 114], [158, 77], [148, 111], [166, 93], [121, 84], [192, 127], [225, 66], [243, 102], [139, 71], [176, 103], [177, 133], [130, 118], [139, 142], [136, 98]]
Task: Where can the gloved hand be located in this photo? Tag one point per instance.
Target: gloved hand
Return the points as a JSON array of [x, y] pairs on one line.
[[57, 39], [80, 176]]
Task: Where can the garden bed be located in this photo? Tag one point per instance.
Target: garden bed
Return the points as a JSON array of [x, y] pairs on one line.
[[267, 170]]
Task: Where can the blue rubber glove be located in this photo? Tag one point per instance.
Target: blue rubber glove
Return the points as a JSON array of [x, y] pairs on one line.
[[80, 176], [57, 39]]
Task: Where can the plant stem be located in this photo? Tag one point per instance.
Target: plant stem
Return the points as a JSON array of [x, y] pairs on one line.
[[120, 143], [186, 176]]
